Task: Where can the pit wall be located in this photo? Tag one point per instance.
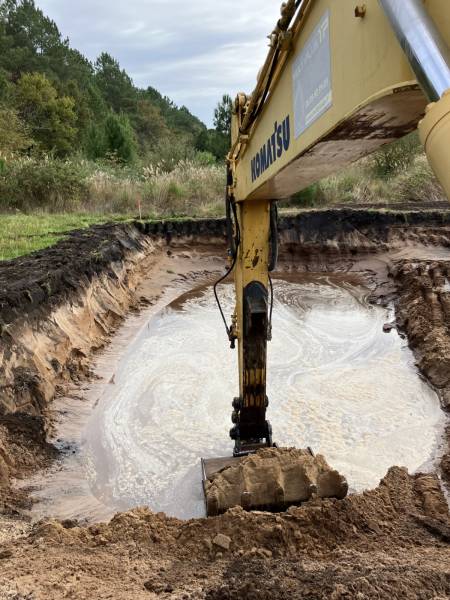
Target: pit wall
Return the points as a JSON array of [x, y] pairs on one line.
[[58, 306], [347, 232]]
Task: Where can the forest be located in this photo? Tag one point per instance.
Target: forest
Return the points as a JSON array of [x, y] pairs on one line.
[[54, 101], [74, 132]]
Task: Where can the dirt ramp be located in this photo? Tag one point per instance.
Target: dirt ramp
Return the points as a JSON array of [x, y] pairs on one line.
[[273, 478]]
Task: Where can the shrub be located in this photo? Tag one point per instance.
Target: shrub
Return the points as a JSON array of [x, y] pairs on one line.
[[119, 139], [188, 189], [418, 183], [53, 184], [205, 159], [14, 135], [395, 157], [112, 190], [170, 151], [95, 142], [309, 197]]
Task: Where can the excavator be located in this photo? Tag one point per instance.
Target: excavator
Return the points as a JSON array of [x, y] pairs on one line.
[[340, 80]]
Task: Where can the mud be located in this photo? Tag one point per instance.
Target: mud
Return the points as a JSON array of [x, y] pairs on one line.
[[64, 303]]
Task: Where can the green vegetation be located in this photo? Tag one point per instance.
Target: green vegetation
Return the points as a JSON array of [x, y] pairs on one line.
[[190, 188], [61, 102], [22, 234], [81, 137], [80, 144], [397, 174]]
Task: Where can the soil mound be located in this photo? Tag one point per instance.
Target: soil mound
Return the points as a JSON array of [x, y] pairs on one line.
[[391, 542]]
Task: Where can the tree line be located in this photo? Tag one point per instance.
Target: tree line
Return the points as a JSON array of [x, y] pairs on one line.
[[54, 101]]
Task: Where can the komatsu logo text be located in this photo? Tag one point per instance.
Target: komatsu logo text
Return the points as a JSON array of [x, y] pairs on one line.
[[273, 149]]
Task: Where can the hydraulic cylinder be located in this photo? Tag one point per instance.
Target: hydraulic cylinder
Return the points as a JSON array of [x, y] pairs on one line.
[[429, 57]]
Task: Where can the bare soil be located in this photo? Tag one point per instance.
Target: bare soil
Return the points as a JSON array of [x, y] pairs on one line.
[[63, 304], [392, 542]]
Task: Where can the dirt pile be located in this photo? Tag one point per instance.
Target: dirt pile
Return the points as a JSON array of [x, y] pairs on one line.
[[273, 478], [423, 312], [23, 449], [392, 542]]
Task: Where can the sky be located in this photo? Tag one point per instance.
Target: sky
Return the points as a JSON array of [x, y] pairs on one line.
[[193, 51]]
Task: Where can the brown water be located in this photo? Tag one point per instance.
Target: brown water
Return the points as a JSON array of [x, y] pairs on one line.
[[337, 383]]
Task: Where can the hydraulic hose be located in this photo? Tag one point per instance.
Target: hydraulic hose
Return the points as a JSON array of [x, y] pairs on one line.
[[231, 210], [273, 259]]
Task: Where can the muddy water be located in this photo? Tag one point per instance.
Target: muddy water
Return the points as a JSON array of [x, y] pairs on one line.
[[337, 383]]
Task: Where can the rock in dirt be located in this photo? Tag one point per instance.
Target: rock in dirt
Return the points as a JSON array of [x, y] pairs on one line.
[[274, 478], [222, 541]]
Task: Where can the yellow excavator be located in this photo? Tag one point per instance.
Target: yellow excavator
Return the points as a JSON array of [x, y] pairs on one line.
[[340, 80]]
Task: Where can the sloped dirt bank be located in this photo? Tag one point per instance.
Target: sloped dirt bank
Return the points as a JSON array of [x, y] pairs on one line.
[[423, 312], [391, 542], [59, 306]]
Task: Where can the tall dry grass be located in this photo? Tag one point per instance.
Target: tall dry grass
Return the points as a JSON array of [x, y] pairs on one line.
[[398, 174], [188, 189]]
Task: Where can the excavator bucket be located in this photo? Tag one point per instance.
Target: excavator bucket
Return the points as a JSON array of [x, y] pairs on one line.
[[270, 479]]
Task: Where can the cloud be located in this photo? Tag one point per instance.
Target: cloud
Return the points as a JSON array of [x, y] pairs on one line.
[[191, 51]]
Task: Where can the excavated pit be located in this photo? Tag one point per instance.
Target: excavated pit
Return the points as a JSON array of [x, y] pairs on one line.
[[338, 383], [366, 293]]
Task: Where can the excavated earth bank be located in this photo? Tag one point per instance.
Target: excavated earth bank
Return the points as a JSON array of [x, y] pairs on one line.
[[59, 306]]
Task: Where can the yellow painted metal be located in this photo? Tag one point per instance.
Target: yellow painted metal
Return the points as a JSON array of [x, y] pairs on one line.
[[253, 257], [435, 135], [375, 100]]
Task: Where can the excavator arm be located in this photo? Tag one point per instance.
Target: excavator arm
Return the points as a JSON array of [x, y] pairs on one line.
[[340, 80]]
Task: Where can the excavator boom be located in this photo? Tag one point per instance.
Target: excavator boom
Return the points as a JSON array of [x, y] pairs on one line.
[[339, 82]]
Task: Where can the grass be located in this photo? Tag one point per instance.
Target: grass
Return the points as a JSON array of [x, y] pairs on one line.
[[41, 200], [23, 234]]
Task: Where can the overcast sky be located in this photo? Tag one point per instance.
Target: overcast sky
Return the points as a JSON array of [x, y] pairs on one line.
[[190, 50]]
